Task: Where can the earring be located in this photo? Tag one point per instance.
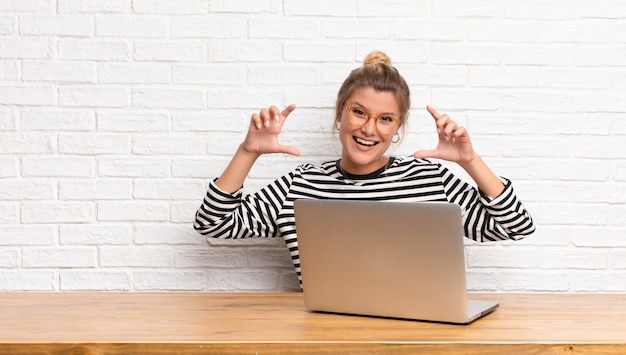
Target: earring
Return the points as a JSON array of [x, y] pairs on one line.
[[396, 138], [337, 125]]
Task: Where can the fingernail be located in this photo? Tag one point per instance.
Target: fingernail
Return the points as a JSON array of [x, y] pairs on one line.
[[267, 123], [258, 125], [277, 117]]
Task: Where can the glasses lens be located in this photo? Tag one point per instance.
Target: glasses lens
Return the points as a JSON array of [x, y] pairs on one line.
[[360, 117]]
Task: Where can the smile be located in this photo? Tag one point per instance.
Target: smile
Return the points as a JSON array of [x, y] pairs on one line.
[[364, 142]]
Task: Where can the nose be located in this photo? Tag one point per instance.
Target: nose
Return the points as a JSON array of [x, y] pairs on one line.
[[369, 127]]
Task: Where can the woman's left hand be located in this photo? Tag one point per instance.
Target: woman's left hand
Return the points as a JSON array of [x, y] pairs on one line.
[[454, 142]]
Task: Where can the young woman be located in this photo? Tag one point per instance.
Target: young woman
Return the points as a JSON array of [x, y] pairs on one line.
[[370, 115]]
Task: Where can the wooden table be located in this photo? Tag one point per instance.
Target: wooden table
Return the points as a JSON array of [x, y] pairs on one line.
[[275, 323]]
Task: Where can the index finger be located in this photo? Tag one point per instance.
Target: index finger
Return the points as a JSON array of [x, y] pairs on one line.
[[288, 110], [433, 112]]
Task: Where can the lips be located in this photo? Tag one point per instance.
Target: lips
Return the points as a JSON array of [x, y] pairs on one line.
[[364, 142]]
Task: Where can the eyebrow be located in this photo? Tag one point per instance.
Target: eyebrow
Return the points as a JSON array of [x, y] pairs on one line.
[[356, 103]]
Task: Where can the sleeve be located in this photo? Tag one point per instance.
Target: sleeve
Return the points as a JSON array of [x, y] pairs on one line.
[[226, 215], [486, 219]]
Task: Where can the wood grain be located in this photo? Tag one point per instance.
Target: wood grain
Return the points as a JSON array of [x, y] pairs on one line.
[[277, 323]]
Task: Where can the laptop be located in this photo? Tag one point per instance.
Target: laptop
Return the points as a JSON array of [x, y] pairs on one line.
[[385, 259]]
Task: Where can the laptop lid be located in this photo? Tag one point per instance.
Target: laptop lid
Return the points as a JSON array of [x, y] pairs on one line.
[[388, 259]]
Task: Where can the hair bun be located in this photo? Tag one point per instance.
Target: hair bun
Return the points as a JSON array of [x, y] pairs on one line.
[[376, 57]]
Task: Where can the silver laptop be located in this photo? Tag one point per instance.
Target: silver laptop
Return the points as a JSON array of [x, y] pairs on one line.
[[386, 259]]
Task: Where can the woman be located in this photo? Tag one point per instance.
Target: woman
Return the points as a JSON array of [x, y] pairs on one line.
[[370, 114]]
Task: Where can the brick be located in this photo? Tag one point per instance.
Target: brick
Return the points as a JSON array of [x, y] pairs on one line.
[[126, 73], [174, 51], [212, 27], [133, 167], [93, 50], [146, 256], [396, 8], [25, 48], [540, 10], [131, 26], [19, 280], [133, 122], [59, 25], [193, 7], [22, 235], [246, 6], [57, 212], [170, 235], [61, 120], [59, 166], [208, 74], [132, 211], [170, 280], [318, 8], [94, 96], [8, 71], [26, 189], [95, 189], [466, 54], [9, 259], [9, 213], [471, 8], [169, 145], [430, 29], [37, 257], [80, 6], [8, 167], [535, 281], [230, 280], [168, 99], [27, 95], [580, 258], [8, 25], [300, 28], [95, 280], [168, 190], [94, 144], [95, 234]]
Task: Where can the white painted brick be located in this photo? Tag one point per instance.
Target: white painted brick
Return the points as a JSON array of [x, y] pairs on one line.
[[617, 215], [80, 6], [556, 55], [597, 192], [132, 211], [125, 73], [506, 31], [198, 167], [209, 258], [515, 77], [58, 25], [146, 256], [58, 257], [58, 212], [20, 235], [133, 167], [9, 213], [481, 281], [580, 258], [27, 95], [470, 8], [58, 120], [133, 122], [169, 99], [573, 124], [393, 8], [212, 121], [540, 10], [244, 51], [570, 214], [184, 212], [94, 96], [8, 167], [25, 48], [246, 6], [345, 30], [269, 258], [208, 74], [430, 29], [328, 8], [8, 71], [7, 120], [59, 166], [244, 280], [611, 9], [169, 145], [297, 28], [212, 27], [171, 8], [598, 281], [95, 281], [95, 234], [93, 50], [168, 190], [534, 281], [453, 99], [318, 52], [599, 55], [168, 234], [27, 280], [8, 25], [570, 170], [131, 26], [94, 144], [170, 280], [480, 54], [617, 258], [494, 256], [578, 31], [538, 101], [249, 98], [95, 189], [582, 237], [169, 51], [22, 189], [595, 146], [595, 102], [9, 259]]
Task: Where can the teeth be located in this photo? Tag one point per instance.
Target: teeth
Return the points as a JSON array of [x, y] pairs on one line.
[[364, 142]]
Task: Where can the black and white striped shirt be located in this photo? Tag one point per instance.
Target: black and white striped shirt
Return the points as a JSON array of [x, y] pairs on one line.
[[269, 212]]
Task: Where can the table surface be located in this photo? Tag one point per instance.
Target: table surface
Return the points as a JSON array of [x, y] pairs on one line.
[[279, 323]]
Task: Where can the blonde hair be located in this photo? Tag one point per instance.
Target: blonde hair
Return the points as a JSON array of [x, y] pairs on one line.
[[378, 73]]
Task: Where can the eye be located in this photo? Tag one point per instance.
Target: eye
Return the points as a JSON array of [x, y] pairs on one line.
[[359, 113], [386, 120]]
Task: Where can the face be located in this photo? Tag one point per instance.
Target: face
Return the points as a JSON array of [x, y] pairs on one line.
[[364, 146]]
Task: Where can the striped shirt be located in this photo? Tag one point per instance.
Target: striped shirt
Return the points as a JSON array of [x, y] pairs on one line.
[[269, 212]]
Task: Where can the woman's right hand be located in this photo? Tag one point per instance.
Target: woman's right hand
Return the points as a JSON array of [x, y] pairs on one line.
[[262, 137]]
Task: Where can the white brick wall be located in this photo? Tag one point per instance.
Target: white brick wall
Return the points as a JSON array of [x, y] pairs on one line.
[[114, 114]]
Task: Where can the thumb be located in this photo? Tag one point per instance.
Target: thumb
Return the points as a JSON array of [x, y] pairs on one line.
[[424, 154], [289, 150]]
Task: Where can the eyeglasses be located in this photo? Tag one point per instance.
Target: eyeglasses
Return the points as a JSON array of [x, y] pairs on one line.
[[384, 124]]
